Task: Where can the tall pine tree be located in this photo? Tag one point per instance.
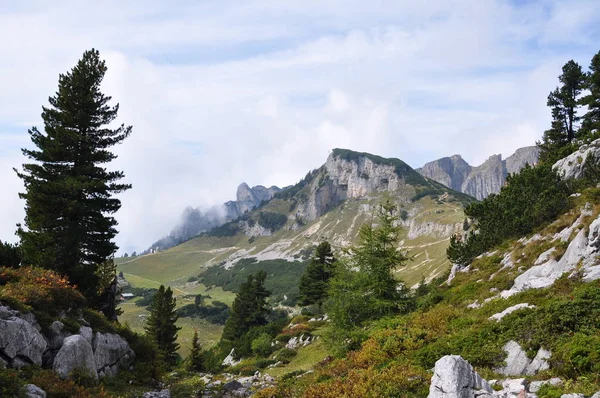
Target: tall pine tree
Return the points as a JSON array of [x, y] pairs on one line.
[[161, 324], [69, 193], [315, 280], [564, 103], [590, 128]]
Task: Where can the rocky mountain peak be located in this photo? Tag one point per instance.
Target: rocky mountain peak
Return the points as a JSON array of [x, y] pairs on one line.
[[478, 181]]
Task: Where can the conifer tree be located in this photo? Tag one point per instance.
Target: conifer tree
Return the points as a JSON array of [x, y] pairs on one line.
[[10, 255], [315, 280], [69, 193], [161, 324], [249, 307], [195, 361], [563, 102], [590, 128]]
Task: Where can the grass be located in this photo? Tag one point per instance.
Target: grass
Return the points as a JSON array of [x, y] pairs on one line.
[[306, 359]]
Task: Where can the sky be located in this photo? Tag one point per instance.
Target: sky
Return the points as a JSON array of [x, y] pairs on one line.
[[223, 92]]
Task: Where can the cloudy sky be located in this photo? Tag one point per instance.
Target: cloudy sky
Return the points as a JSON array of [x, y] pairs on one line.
[[221, 92]]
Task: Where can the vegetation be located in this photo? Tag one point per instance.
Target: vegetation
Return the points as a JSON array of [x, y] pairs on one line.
[[68, 191], [364, 287], [161, 324], [249, 308], [282, 277], [314, 283], [10, 255], [216, 313], [529, 199], [566, 101], [271, 221], [195, 361]]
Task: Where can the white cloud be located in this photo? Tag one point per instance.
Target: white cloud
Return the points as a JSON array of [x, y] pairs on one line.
[[221, 92]]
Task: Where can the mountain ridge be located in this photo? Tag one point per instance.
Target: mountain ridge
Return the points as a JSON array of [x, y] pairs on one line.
[[478, 181]]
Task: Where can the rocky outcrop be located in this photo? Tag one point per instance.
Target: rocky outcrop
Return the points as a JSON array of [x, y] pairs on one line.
[[450, 171], [111, 353], [573, 166], [518, 364], [21, 344], [453, 377], [480, 181], [582, 254], [75, 353], [355, 177], [33, 391], [248, 198]]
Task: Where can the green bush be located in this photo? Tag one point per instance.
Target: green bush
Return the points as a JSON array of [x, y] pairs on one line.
[[261, 346], [10, 384], [285, 355]]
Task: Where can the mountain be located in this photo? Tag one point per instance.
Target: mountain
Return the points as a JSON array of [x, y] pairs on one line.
[[330, 203], [478, 181], [194, 220]]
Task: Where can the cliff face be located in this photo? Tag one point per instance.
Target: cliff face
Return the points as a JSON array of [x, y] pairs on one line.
[[247, 199], [482, 180], [352, 175]]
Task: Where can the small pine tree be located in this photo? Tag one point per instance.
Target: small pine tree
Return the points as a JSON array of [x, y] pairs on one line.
[[315, 280], [161, 325], [248, 309], [10, 255], [195, 361]]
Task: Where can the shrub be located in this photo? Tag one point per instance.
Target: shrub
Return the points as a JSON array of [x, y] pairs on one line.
[[39, 288], [285, 355], [261, 346], [10, 384]]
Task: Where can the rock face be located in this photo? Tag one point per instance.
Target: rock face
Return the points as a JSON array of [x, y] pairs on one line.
[[21, 344], [75, 353], [482, 180], [33, 391], [582, 252], [573, 165], [194, 220], [517, 363], [354, 178], [111, 353], [453, 377]]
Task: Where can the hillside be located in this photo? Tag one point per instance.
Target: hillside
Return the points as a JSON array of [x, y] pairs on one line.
[[330, 203]]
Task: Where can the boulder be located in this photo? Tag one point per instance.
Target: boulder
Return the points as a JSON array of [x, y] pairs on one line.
[[158, 394], [510, 310], [56, 335], [573, 166], [111, 352], [232, 385], [230, 359], [21, 343], [75, 353], [87, 333], [454, 377], [518, 364], [33, 391]]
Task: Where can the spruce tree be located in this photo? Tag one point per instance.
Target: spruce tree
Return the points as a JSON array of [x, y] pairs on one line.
[[563, 102], [249, 308], [69, 193], [590, 128], [195, 361], [161, 324], [10, 255], [315, 280]]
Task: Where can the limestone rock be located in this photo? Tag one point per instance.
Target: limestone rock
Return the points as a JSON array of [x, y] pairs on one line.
[[572, 396], [75, 353], [482, 180], [454, 377], [158, 394], [87, 333], [573, 166], [518, 364], [20, 343], [111, 353], [230, 359], [33, 391], [56, 335], [510, 310]]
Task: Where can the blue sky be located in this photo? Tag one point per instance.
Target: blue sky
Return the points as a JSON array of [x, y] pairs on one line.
[[221, 92]]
